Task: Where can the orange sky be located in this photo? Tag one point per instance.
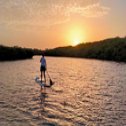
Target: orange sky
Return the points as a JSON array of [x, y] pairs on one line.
[[52, 23]]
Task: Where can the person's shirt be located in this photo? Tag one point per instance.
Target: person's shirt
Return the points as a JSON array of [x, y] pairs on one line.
[[43, 61]]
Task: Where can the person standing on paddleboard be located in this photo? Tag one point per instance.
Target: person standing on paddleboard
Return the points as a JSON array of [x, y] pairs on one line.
[[43, 67]]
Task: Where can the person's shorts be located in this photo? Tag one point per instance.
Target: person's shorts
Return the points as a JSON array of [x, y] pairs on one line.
[[42, 68]]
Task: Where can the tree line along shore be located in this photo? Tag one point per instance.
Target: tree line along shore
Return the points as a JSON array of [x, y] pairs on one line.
[[113, 49], [16, 53]]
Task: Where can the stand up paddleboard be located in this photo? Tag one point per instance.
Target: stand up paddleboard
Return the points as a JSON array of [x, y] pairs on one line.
[[41, 83]]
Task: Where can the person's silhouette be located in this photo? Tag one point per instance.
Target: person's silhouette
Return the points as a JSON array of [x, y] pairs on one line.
[[43, 67]]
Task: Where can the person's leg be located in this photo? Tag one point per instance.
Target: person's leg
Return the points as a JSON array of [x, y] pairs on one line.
[[44, 76], [41, 76], [41, 72]]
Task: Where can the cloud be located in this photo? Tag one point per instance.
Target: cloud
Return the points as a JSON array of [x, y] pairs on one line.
[[94, 10], [48, 12]]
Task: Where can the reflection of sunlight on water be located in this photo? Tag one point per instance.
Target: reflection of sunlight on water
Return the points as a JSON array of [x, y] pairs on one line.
[[86, 92]]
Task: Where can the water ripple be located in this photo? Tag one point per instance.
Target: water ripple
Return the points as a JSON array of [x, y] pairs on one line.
[[86, 93]]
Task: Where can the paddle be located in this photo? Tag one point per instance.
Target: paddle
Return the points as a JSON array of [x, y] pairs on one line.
[[50, 80]]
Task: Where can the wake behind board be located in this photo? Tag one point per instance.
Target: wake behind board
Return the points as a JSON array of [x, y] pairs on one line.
[[42, 84]]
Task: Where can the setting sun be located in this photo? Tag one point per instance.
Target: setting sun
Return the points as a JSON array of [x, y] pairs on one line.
[[76, 41], [76, 35]]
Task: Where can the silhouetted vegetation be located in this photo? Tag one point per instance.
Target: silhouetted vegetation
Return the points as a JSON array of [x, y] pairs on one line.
[[14, 53], [37, 51], [108, 49]]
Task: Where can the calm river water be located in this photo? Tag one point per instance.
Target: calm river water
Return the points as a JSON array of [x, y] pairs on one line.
[[86, 93]]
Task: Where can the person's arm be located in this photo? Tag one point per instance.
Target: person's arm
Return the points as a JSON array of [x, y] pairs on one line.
[[40, 60]]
